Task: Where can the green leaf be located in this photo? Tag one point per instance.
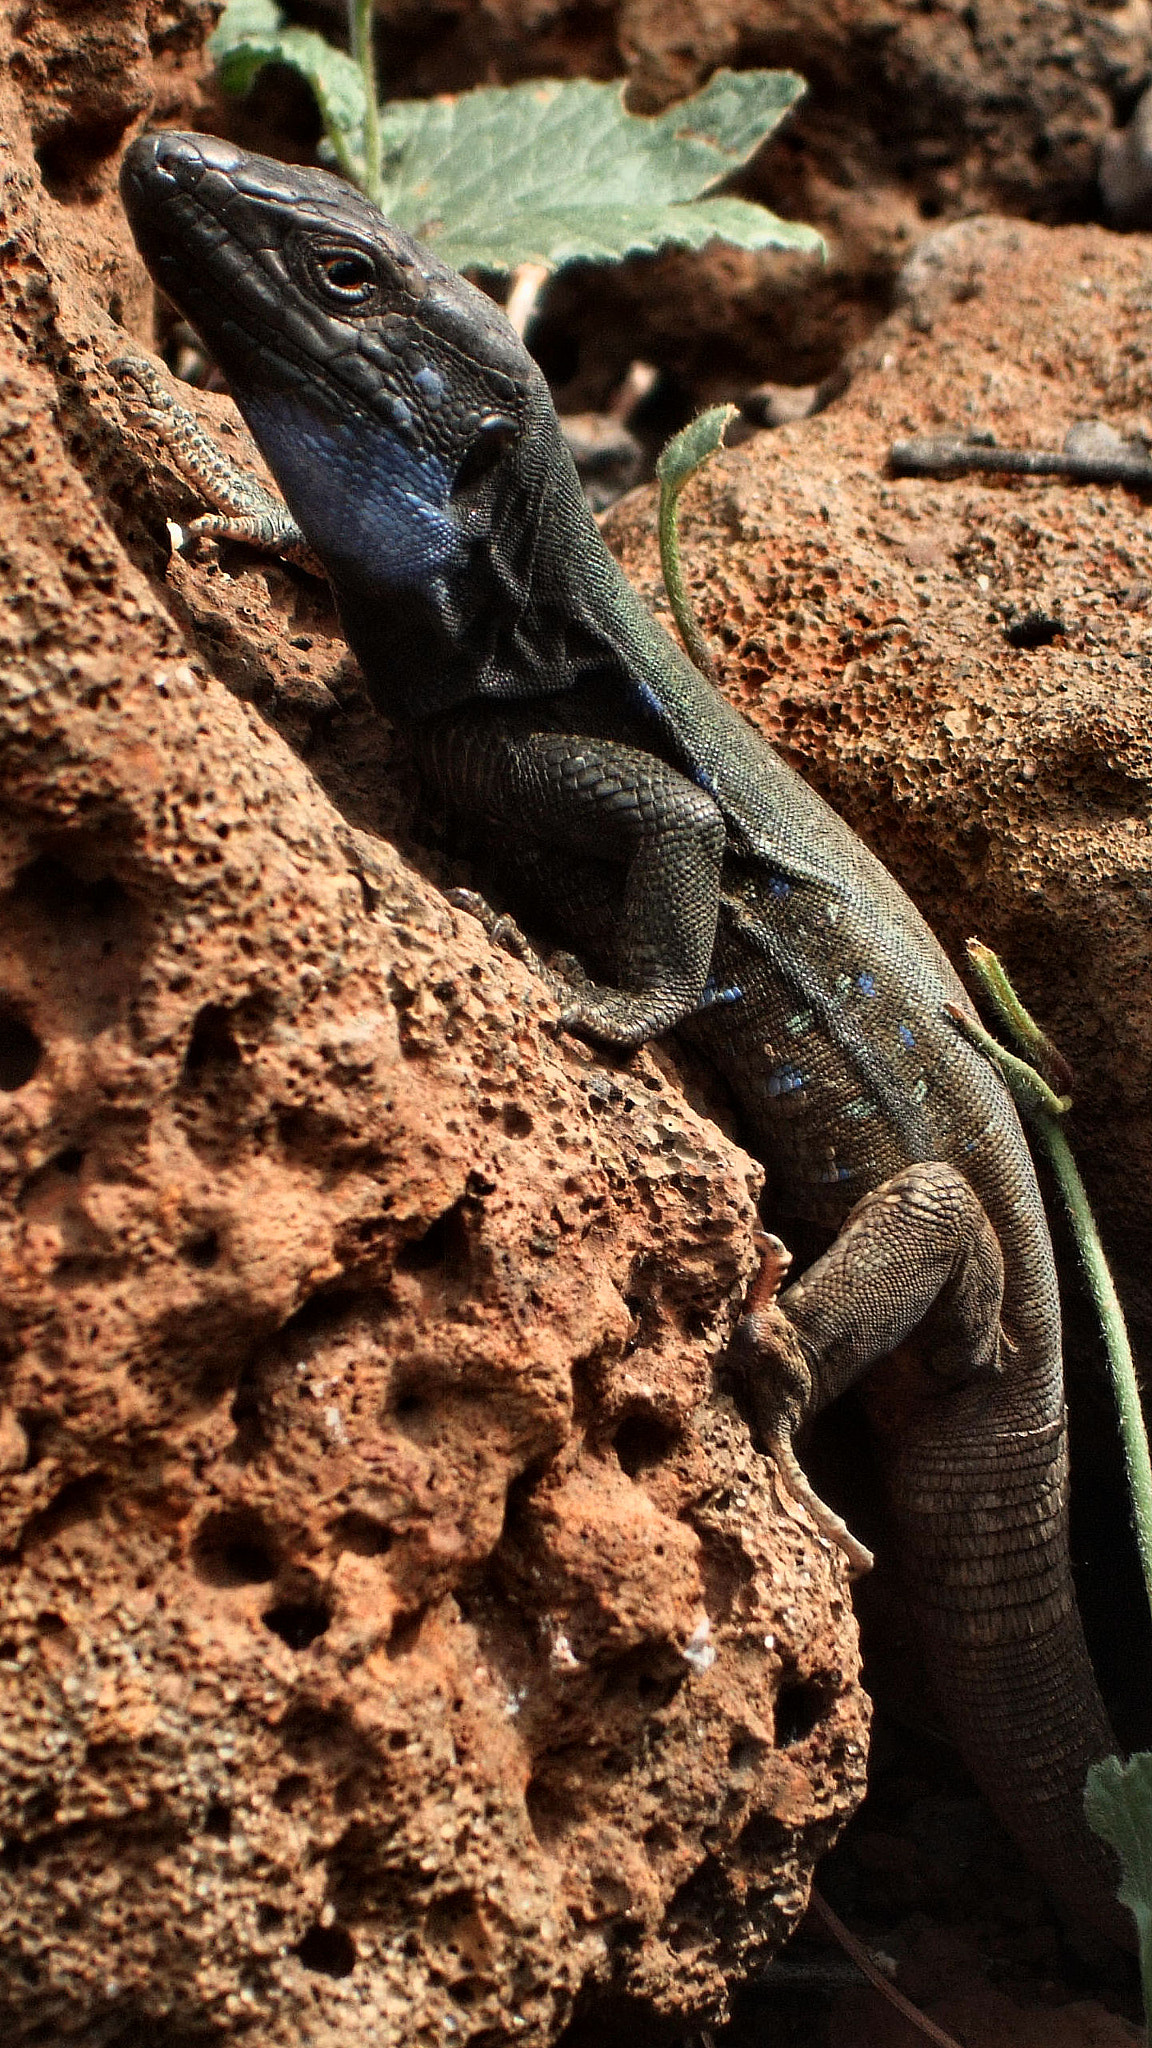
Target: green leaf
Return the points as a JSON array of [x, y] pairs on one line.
[[1118, 1803], [552, 171], [556, 171], [249, 35]]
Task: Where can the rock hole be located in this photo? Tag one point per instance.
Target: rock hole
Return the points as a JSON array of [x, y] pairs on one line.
[[319, 1734], [453, 1921], [404, 1634], [444, 1243], [1035, 629], [550, 1812], [646, 1678], [290, 1790], [202, 1250], [763, 1842], [232, 1547], [70, 159], [330, 1950], [63, 897], [69, 1161], [727, 1571], [517, 1121], [269, 1918], [299, 1618], [518, 1500], [78, 1500], [362, 1534], [322, 1313], [212, 1043], [20, 1051], [800, 1706], [218, 1820], [644, 1439], [746, 1753], [408, 1404]]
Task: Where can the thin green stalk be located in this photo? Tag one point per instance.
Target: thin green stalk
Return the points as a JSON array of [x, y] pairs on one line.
[[1121, 1363], [360, 24], [1044, 1109], [687, 452]]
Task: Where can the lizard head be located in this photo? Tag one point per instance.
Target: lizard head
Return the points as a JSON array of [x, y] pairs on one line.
[[406, 424]]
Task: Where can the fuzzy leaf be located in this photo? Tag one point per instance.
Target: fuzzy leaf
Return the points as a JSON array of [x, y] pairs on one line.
[[557, 171], [1118, 1803], [551, 171]]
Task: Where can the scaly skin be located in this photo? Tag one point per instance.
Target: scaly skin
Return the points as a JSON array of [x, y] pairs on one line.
[[419, 454]]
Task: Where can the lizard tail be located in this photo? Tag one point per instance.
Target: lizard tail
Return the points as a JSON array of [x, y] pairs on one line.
[[980, 1494]]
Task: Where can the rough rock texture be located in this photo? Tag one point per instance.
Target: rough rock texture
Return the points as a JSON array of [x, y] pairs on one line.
[[397, 1631], [863, 621], [918, 111]]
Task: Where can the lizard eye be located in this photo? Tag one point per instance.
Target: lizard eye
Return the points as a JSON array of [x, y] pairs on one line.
[[351, 276], [347, 277], [495, 437]]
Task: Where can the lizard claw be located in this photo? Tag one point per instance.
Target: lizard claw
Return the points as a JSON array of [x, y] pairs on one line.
[[780, 1391]]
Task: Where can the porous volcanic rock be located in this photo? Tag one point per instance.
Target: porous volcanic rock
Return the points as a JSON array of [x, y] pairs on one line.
[[397, 1630]]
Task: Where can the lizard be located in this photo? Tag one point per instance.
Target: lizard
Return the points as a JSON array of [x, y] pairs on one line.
[[708, 890]]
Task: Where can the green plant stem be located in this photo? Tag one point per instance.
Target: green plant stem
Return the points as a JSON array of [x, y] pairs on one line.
[[1044, 1111], [686, 452], [1121, 1363], [360, 23]]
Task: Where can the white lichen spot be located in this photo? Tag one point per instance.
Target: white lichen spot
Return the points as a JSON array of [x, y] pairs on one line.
[[699, 1651]]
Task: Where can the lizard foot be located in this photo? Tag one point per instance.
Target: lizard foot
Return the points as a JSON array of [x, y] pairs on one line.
[[779, 1385], [245, 509], [563, 977]]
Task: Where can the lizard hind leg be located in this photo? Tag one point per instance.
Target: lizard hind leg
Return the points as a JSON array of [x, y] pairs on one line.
[[917, 1257], [918, 1254]]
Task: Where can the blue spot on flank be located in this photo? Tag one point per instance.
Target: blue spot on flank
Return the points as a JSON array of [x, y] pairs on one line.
[[648, 698], [906, 1035], [785, 1080], [866, 983], [713, 995], [779, 888], [704, 781]]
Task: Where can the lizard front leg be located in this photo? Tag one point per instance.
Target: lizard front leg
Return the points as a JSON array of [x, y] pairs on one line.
[[573, 798]]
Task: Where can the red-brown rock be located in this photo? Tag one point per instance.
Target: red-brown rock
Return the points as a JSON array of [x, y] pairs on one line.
[[394, 1614]]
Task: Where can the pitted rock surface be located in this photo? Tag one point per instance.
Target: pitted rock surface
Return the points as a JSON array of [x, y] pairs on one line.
[[399, 1633]]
